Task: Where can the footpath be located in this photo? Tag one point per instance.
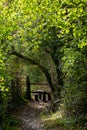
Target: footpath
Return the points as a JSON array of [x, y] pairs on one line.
[[30, 115]]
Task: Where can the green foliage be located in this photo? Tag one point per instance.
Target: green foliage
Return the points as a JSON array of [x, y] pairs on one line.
[[74, 122], [55, 121], [53, 33], [35, 74], [4, 90], [74, 96], [11, 123]]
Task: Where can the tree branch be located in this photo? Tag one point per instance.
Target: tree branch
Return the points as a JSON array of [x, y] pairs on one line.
[[35, 62]]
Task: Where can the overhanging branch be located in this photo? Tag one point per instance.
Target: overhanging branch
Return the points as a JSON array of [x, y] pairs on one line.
[[35, 62]]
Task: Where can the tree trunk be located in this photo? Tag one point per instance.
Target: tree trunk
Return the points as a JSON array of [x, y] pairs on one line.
[[59, 82], [28, 91]]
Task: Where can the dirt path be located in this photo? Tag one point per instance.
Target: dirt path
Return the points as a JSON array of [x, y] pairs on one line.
[[30, 116]]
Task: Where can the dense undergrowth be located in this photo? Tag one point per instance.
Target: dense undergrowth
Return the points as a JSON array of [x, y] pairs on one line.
[[11, 123], [8, 121], [55, 121]]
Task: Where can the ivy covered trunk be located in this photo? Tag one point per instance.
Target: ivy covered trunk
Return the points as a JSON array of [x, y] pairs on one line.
[[15, 89]]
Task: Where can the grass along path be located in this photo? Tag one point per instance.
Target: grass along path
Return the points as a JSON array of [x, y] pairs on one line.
[[35, 117]]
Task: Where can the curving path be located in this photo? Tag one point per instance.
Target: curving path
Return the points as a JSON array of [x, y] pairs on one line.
[[30, 116]]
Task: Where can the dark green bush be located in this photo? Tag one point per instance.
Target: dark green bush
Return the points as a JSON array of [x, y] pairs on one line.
[[75, 92]]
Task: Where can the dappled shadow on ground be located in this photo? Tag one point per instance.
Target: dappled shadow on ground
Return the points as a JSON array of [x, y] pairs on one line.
[[30, 115]]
